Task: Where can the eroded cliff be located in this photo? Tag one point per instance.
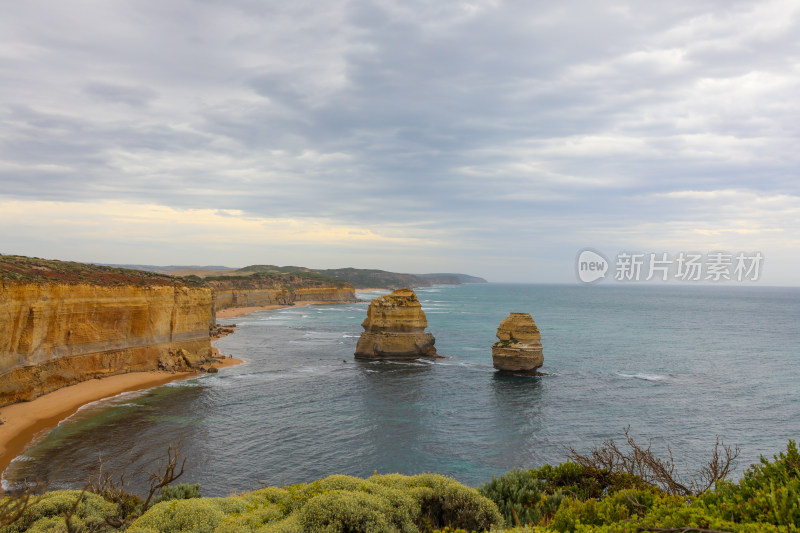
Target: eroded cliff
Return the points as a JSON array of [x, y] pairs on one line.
[[61, 323], [395, 327], [282, 289], [519, 349]]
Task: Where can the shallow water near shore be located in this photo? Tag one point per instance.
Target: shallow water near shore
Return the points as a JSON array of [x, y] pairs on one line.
[[679, 364]]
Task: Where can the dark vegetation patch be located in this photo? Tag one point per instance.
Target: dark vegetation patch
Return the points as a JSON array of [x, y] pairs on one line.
[[35, 270]]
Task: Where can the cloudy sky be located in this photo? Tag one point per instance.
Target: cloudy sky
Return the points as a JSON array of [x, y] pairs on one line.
[[487, 137]]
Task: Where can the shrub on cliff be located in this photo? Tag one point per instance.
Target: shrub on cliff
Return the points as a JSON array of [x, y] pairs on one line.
[[767, 498], [87, 513], [183, 491], [534, 495], [768, 493], [381, 503], [564, 498]]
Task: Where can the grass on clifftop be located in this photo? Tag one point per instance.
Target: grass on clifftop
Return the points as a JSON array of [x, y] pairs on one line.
[[17, 268], [564, 498], [279, 278]]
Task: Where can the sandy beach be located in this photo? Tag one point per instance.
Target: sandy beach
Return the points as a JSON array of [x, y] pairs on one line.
[[358, 291], [22, 422], [232, 312]]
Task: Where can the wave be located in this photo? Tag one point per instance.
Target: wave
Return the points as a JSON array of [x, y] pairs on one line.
[[645, 377]]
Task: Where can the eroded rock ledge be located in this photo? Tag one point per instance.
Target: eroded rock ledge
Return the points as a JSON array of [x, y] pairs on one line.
[[519, 349], [395, 328]]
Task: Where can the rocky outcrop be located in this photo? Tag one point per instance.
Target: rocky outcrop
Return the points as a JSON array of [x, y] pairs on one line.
[[395, 328], [519, 349], [61, 323]]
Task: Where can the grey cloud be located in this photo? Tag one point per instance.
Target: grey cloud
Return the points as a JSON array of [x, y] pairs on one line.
[[350, 110], [132, 96]]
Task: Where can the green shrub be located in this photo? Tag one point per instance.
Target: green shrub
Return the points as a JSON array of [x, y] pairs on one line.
[[350, 511], [517, 495], [198, 515], [768, 493], [535, 495], [184, 491], [445, 502], [47, 513], [393, 502]]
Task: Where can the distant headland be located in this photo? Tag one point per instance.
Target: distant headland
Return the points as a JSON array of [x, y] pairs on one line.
[[360, 278]]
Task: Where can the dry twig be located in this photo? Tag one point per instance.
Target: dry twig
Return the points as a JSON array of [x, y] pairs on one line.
[[642, 462], [165, 473]]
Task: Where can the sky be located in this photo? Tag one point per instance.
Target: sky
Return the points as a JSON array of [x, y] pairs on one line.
[[492, 138]]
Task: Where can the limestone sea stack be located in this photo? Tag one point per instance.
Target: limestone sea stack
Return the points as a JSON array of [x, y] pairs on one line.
[[519, 349], [395, 328]]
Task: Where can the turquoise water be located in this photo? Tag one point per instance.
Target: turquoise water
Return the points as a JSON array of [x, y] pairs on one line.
[[680, 365]]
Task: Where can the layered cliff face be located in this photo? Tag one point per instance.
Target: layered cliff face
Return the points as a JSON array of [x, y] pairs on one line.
[[325, 294], [395, 327], [277, 290], [61, 323], [519, 349]]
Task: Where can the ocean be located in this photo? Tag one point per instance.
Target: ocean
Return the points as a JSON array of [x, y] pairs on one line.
[[680, 365]]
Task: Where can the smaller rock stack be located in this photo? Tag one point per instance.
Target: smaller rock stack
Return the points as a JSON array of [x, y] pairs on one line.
[[395, 328], [519, 349]]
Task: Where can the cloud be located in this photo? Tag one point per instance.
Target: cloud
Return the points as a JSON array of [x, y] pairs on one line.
[[481, 124], [132, 96]]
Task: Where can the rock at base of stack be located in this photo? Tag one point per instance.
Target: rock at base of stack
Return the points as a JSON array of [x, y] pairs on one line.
[[395, 328], [519, 349]]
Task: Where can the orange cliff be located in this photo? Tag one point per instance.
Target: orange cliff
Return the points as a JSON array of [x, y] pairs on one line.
[[62, 323], [265, 290]]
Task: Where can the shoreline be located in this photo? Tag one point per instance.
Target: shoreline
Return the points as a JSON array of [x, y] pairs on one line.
[[232, 312], [373, 290], [23, 422]]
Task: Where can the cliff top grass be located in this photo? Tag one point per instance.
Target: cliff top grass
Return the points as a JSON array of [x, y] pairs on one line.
[[16, 268], [298, 278]]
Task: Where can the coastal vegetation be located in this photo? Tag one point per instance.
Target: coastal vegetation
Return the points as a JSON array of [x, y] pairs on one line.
[[611, 489], [20, 269], [360, 278]]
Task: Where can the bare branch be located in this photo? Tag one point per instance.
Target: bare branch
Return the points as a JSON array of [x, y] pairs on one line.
[[642, 462], [165, 473]]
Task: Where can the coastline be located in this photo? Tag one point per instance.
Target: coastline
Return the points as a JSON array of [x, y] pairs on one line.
[[24, 421], [377, 289], [232, 312]]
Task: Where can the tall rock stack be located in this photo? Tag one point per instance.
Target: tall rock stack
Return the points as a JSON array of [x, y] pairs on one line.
[[395, 328], [519, 349]]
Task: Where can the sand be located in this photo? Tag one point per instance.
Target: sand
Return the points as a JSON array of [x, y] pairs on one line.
[[373, 290], [23, 422], [231, 312]]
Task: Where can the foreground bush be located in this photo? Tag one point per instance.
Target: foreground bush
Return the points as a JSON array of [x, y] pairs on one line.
[[533, 496], [46, 513], [766, 499], [566, 498], [381, 503]]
